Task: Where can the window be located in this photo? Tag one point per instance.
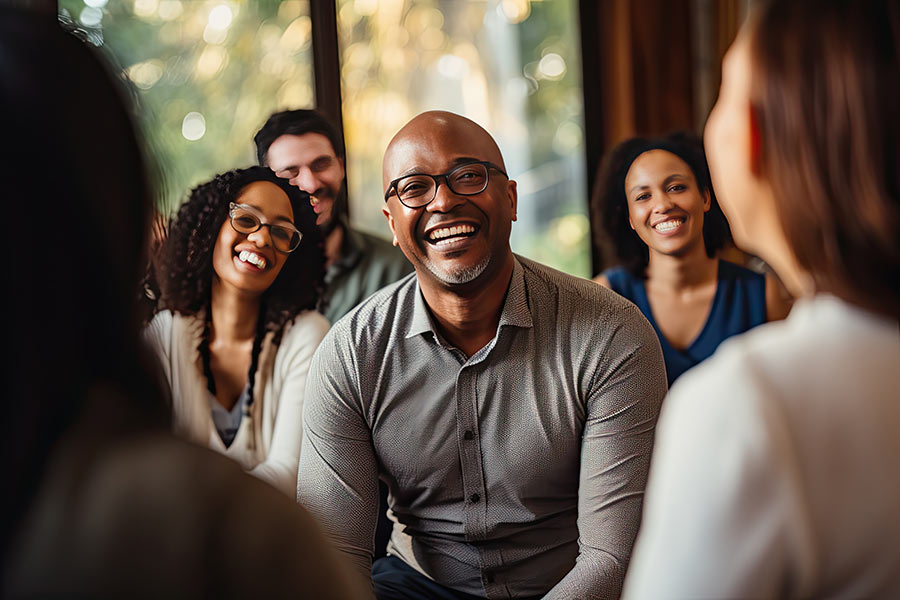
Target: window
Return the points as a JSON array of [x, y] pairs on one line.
[[208, 74], [513, 66]]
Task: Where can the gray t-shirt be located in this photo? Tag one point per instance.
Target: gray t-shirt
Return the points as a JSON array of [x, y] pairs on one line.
[[504, 467]]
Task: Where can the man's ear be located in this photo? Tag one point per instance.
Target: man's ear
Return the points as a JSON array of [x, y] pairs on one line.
[[707, 203], [513, 195], [390, 220], [755, 137]]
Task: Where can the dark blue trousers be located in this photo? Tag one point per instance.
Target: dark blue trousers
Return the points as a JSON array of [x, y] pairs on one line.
[[396, 580]]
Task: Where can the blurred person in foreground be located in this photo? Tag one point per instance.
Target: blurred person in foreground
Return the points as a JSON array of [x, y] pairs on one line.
[[656, 204], [304, 148], [509, 407], [241, 274], [99, 499], [790, 488]]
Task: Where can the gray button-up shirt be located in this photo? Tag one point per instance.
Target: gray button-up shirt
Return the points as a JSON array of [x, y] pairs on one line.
[[515, 472]]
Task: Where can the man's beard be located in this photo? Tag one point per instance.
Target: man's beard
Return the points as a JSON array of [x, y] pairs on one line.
[[459, 276], [338, 212]]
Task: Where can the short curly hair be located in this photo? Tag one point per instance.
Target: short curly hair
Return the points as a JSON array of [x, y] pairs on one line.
[[185, 263], [610, 206]]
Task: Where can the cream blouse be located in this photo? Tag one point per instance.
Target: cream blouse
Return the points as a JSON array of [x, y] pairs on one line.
[[268, 443]]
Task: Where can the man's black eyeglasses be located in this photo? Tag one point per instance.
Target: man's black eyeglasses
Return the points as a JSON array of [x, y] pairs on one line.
[[418, 189]]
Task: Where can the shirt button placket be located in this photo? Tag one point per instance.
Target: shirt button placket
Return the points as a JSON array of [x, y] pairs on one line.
[[473, 478]]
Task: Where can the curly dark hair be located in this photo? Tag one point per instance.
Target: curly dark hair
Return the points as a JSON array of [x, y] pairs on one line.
[[185, 268], [185, 264], [609, 206]]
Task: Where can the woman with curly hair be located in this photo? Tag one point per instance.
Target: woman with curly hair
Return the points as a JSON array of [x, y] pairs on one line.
[[241, 273], [656, 206]]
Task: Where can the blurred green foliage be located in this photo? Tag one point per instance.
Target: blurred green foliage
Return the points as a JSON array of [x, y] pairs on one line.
[[231, 62]]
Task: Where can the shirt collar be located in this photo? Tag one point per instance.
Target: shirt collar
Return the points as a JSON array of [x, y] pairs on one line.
[[516, 312]]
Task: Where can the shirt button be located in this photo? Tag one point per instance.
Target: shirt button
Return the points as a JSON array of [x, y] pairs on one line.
[[468, 435], [474, 498]]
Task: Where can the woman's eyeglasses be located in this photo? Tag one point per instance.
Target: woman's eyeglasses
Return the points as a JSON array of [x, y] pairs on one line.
[[246, 219]]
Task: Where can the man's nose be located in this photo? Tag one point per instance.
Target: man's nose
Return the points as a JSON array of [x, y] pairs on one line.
[[444, 199], [305, 180]]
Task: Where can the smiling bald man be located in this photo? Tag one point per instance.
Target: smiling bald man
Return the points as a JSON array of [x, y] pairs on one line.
[[509, 407]]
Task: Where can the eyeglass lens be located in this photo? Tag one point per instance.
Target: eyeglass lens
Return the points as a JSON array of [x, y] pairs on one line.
[[467, 180], [283, 238]]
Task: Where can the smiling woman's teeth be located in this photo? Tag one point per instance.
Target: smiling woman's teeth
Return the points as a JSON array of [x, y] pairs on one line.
[[252, 258], [668, 225]]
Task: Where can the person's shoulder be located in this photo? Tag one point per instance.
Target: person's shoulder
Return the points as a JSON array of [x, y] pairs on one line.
[[209, 497], [378, 312], [305, 324], [730, 270], [371, 241], [617, 272], [378, 249], [301, 335], [169, 319], [158, 332], [162, 320], [621, 280], [373, 245], [583, 295]]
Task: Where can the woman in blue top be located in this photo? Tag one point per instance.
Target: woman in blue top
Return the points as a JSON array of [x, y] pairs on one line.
[[656, 206]]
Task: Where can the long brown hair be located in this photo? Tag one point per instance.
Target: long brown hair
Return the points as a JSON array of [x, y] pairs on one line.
[[826, 86]]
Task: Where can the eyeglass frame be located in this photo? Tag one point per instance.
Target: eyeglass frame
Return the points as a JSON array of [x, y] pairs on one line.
[[232, 206], [446, 176]]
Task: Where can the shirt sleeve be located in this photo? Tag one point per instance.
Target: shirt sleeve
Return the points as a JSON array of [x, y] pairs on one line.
[[338, 481], [157, 336], [723, 511], [623, 405], [281, 464]]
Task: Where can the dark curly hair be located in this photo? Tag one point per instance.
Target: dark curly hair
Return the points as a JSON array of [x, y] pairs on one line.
[[185, 267], [610, 206]]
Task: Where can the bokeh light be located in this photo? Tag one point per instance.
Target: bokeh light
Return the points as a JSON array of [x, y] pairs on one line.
[[193, 127], [90, 16]]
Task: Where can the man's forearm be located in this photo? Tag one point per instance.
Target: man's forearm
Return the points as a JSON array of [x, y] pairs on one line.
[[597, 575]]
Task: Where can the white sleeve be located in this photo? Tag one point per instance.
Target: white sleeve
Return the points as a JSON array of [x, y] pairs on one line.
[[723, 506], [299, 344], [157, 335]]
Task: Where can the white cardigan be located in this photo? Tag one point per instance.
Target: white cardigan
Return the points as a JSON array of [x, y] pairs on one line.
[[775, 471], [272, 450]]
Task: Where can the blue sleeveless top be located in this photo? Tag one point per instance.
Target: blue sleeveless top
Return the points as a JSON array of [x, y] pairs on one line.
[[739, 305]]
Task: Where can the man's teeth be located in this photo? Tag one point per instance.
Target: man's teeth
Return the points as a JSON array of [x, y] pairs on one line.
[[668, 225], [439, 234], [252, 258]]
